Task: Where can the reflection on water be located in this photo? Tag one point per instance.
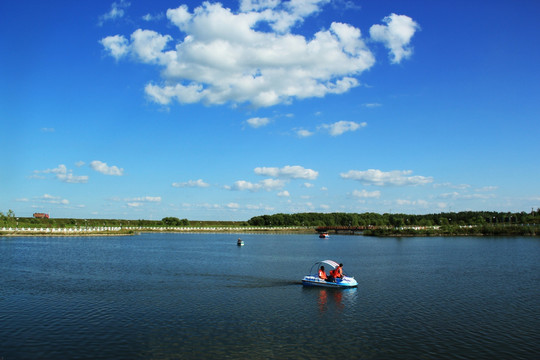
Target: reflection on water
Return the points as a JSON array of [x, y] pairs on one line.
[[195, 296], [335, 299]]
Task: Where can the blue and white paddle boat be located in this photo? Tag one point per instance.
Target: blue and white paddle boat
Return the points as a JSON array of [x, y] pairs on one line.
[[313, 278]]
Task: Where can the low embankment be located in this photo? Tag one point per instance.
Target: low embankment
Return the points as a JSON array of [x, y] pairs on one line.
[[133, 230]]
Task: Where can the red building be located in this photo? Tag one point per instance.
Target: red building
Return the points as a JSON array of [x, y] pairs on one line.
[[41, 215]]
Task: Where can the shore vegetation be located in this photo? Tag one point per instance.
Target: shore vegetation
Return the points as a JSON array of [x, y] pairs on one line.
[[467, 223]]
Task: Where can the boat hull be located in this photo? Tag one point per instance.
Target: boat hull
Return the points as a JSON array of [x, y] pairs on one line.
[[346, 282]]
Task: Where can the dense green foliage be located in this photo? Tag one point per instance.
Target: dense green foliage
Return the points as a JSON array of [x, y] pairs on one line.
[[397, 220], [455, 230], [451, 223], [172, 221], [9, 220]]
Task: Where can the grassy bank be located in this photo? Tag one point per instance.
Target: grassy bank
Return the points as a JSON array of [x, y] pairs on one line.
[[112, 231]]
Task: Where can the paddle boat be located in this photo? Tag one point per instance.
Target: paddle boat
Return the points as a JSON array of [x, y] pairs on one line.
[[324, 235], [314, 280], [240, 242]]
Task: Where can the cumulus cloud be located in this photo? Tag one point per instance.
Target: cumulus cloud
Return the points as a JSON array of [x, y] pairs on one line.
[[381, 178], [224, 57], [341, 127], [63, 174], [116, 45], [258, 122], [117, 11], [395, 35], [191, 183], [303, 133], [233, 206], [105, 169], [363, 194], [284, 193], [50, 199], [288, 172], [266, 184]]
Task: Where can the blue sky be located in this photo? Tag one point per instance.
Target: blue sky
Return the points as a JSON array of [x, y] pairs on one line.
[[224, 111]]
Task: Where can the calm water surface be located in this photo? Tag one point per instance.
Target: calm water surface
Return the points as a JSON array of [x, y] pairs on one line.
[[199, 296]]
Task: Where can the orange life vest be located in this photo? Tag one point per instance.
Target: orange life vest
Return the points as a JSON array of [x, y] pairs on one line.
[[322, 274]]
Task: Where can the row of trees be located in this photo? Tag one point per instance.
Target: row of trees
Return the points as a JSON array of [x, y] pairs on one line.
[[10, 220], [479, 218], [397, 220]]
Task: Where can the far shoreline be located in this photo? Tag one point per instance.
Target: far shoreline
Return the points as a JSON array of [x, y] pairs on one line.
[[379, 233]]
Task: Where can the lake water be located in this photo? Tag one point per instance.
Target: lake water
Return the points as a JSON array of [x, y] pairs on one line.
[[200, 296]]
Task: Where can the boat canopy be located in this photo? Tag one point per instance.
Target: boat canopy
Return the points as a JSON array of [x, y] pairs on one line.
[[332, 263], [316, 266]]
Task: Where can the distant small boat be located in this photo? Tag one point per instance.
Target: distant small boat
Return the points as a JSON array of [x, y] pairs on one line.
[[240, 242], [324, 235]]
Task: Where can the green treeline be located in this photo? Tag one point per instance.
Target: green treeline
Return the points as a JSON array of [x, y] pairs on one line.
[[464, 218], [450, 223], [10, 220]]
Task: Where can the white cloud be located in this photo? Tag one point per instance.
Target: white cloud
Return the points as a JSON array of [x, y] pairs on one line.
[[461, 196], [150, 17], [372, 105], [304, 133], [340, 127], [395, 35], [281, 16], [381, 178], [63, 174], [191, 183], [223, 57], [145, 199], [116, 45], [452, 186], [103, 168], [138, 202], [308, 185], [404, 202], [284, 193], [233, 206], [363, 194], [266, 184], [50, 199], [116, 12], [288, 172], [258, 122], [73, 179]]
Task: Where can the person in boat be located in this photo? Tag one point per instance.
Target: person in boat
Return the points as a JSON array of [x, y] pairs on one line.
[[338, 273], [322, 274], [332, 276]]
